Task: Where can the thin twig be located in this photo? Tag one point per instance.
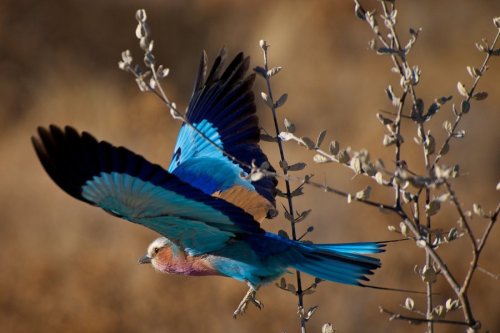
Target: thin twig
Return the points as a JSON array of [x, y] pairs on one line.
[[463, 218], [300, 295], [346, 195], [490, 274], [415, 320], [487, 231], [397, 124], [478, 249], [332, 158], [470, 94]]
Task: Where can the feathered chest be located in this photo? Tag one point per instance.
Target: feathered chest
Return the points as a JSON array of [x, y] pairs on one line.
[[176, 261]]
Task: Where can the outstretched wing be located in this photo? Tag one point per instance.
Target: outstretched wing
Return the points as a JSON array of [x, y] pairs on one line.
[[128, 186], [222, 107]]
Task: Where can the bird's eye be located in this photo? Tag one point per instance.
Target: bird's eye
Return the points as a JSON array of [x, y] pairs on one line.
[[156, 250]]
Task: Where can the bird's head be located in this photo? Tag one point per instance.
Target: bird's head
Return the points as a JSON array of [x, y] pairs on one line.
[[154, 248]]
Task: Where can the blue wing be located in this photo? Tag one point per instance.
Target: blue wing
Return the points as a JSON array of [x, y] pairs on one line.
[[128, 186], [222, 107]]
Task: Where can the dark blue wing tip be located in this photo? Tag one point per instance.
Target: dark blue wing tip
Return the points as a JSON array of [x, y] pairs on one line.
[[51, 147]]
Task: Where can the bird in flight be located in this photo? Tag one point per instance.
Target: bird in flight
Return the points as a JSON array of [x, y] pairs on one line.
[[207, 214]]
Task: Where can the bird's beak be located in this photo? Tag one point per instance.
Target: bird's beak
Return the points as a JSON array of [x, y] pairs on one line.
[[145, 259]]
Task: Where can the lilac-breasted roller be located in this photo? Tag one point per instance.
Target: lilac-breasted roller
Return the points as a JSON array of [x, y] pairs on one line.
[[208, 215]]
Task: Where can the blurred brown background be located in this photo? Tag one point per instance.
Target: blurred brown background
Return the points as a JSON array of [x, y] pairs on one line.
[[67, 267]]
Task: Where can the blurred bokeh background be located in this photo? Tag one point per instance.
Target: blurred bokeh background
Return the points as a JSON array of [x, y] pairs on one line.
[[67, 267]]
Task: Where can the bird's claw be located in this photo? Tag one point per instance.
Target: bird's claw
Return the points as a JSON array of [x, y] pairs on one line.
[[257, 303], [249, 298]]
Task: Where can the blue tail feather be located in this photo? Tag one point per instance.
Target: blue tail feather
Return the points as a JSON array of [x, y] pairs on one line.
[[365, 247], [343, 263]]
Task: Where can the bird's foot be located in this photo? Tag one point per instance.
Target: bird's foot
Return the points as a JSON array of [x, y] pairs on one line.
[[249, 298]]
